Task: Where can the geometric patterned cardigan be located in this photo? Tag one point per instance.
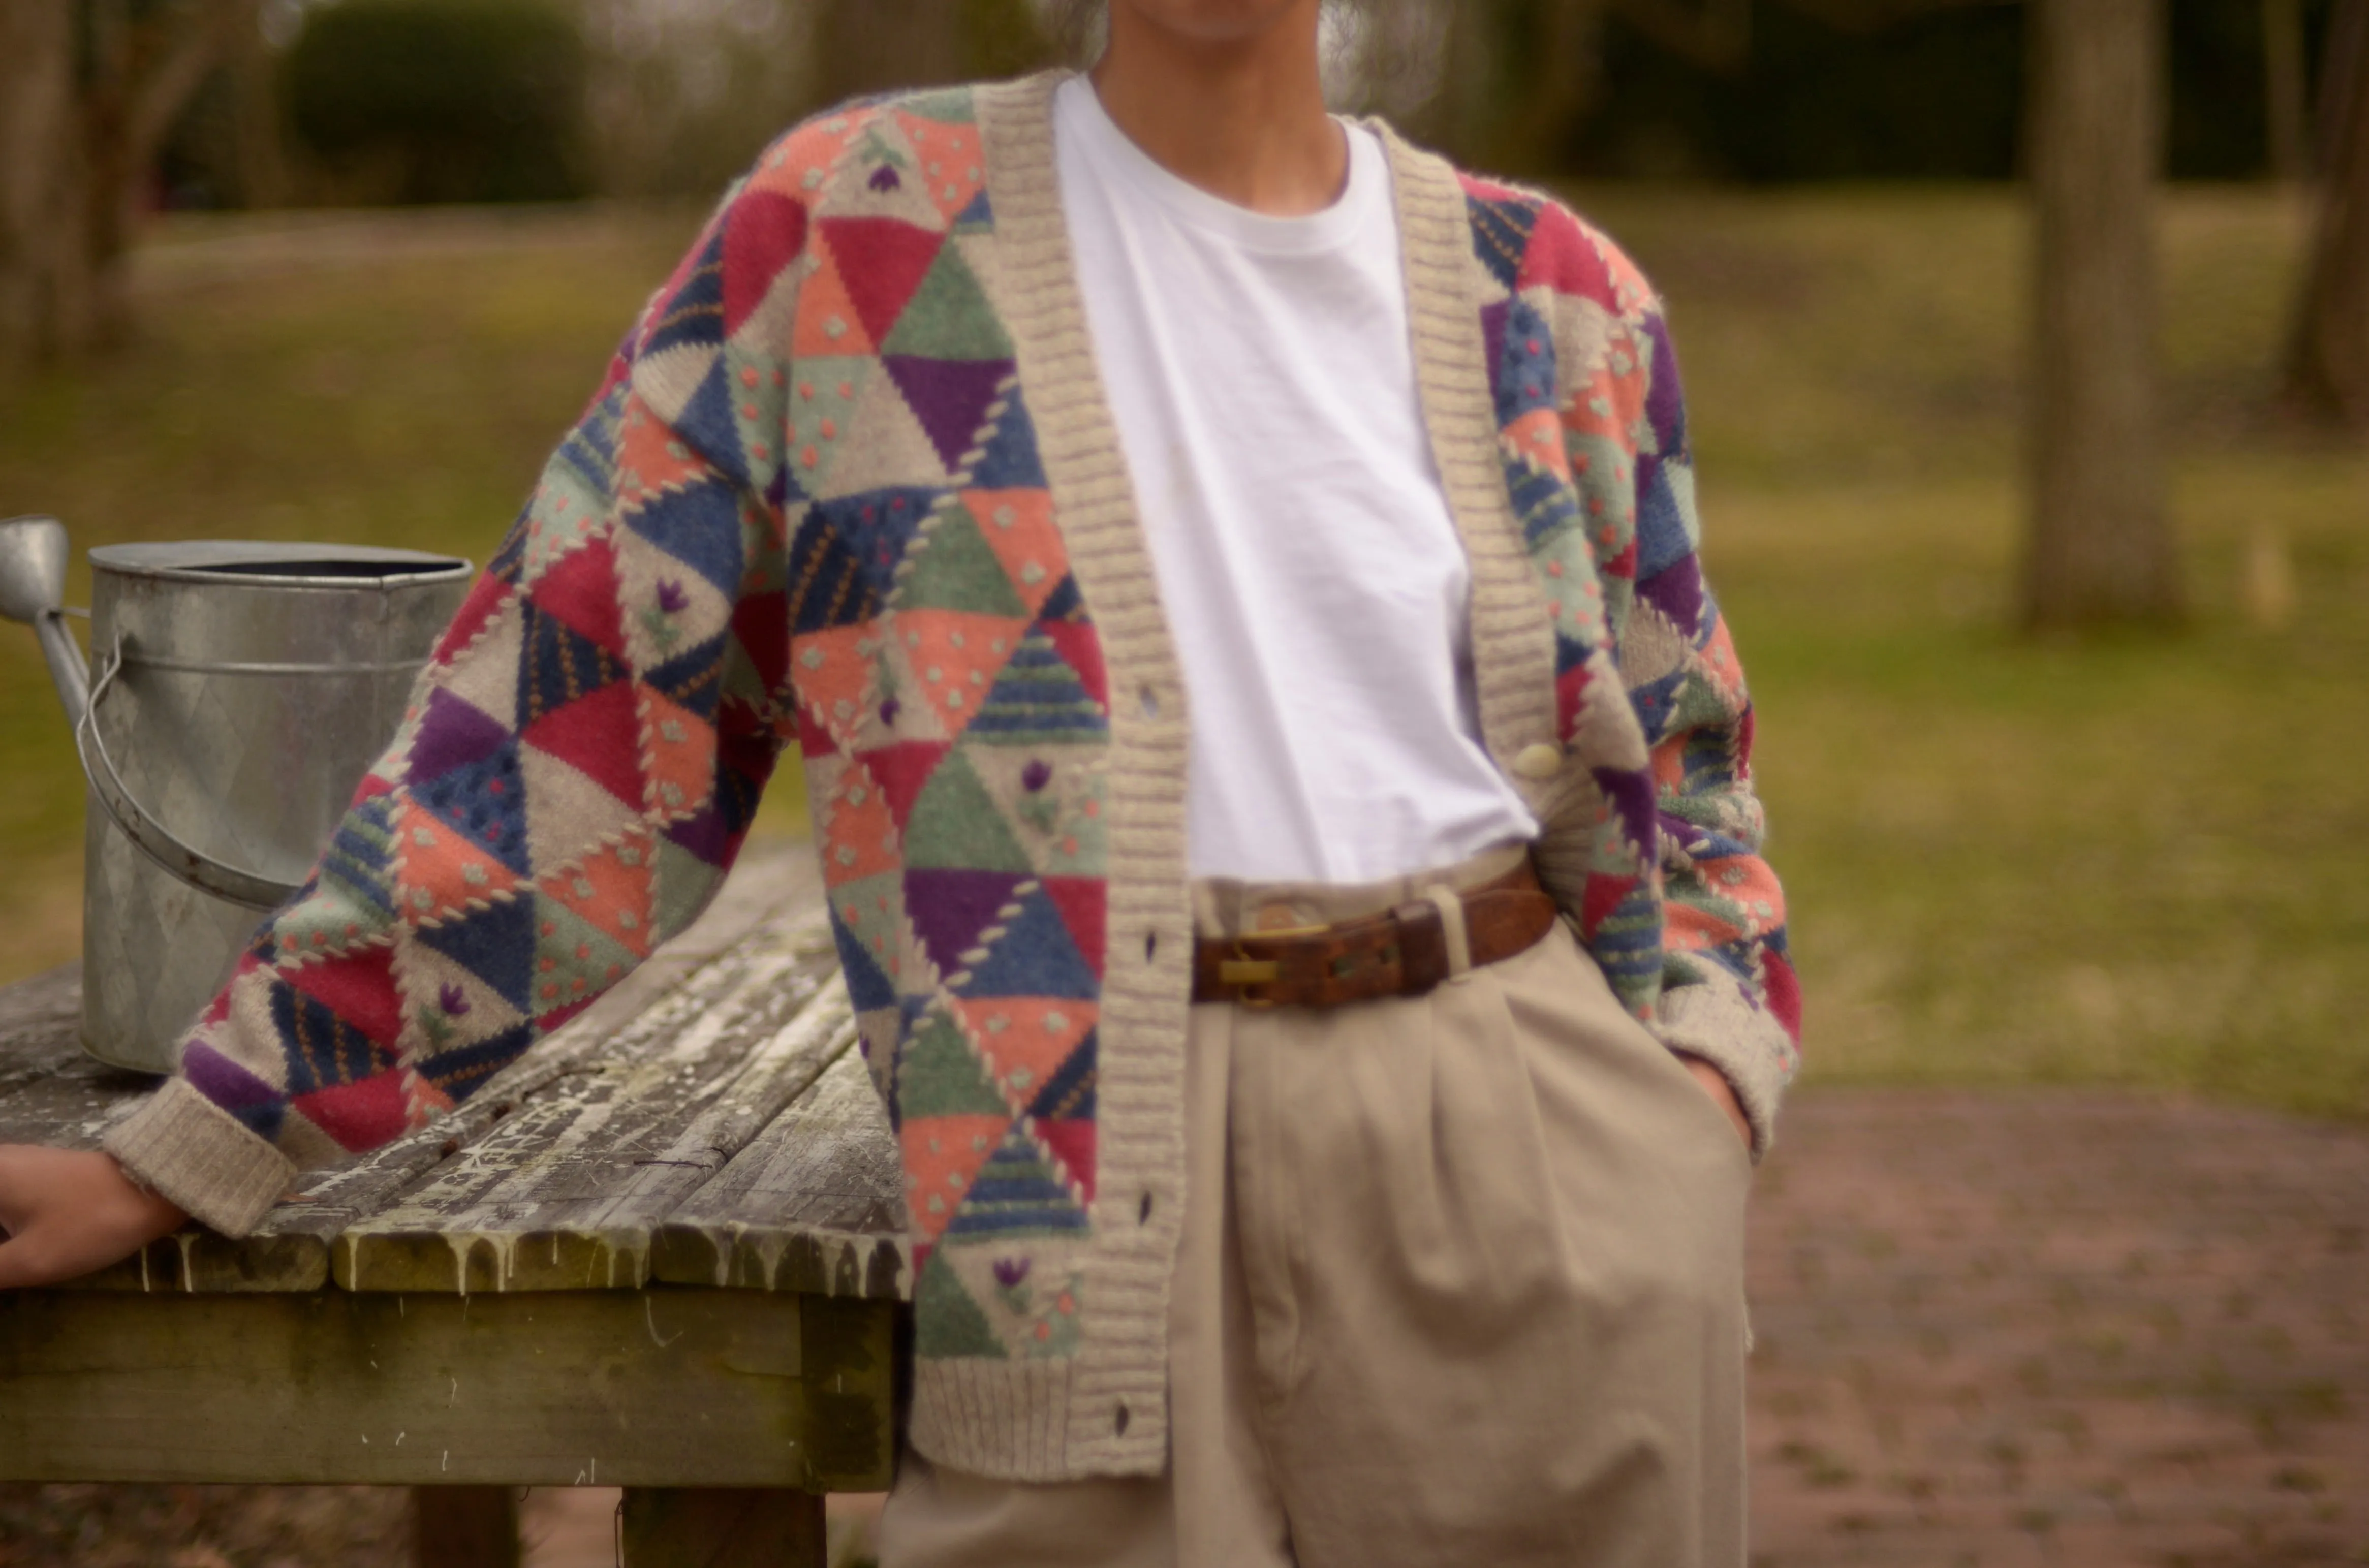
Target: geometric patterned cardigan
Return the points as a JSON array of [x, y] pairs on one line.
[[852, 486]]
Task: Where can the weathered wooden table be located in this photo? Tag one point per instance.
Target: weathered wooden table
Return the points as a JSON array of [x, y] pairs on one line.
[[662, 1253]]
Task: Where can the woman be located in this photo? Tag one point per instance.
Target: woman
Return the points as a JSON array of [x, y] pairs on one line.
[[1287, 1181]]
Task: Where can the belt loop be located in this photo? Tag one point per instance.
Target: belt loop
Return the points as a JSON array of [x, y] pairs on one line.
[[1453, 934], [1209, 920]]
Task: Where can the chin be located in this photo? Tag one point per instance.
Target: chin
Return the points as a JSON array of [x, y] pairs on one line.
[[1215, 21]]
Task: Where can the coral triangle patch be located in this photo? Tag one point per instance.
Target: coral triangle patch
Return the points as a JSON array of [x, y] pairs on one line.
[[942, 1155], [1025, 1040], [442, 869]]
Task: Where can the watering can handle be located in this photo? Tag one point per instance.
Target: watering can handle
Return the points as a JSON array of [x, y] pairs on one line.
[[151, 837]]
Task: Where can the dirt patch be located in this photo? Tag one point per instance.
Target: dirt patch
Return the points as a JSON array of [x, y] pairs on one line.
[[2059, 1328]]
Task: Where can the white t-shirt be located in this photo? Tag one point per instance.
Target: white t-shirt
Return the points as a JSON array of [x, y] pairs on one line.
[[1262, 374]]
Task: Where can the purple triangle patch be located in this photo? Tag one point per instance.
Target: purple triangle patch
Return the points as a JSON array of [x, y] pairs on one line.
[[452, 734], [949, 909], [950, 397]]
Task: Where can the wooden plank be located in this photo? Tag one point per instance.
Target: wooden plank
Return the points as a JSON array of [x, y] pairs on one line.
[[564, 1194], [815, 1203], [465, 1526], [722, 1526], [662, 1388], [290, 1251]]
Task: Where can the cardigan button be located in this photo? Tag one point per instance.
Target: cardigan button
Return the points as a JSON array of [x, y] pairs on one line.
[[1540, 763]]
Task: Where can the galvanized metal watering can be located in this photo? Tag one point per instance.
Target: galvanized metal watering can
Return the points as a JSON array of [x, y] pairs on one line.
[[241, 690]]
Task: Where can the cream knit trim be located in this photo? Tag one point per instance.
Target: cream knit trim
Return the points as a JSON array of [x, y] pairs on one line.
[[1003, 1420], [1716, 1022], [182, 1145], [1513, 636], [1116, 1389]]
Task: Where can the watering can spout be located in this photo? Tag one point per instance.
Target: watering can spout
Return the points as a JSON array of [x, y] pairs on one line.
[[33, 589]]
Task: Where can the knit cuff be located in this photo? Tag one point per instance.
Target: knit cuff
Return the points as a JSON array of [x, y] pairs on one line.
[[1750, 1048], [189, 1149]]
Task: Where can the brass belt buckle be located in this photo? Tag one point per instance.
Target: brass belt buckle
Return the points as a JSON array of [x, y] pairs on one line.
[[1243, 970]]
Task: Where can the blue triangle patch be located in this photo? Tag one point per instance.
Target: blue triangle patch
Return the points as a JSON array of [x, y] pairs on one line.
[[1018, 1189], [323, 1050], [867, 988], [1068, 1094], [1034, 957], [1523, 373], [1010, 460], [557, 664], [460, 1072], [691, 678], [829, 586], [485, 802], [1544, 504], [495, 943], [1501, 233], [694, 314], [710, 422], [699, 526]]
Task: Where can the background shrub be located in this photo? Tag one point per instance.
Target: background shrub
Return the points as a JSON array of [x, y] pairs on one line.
[[441, 100]]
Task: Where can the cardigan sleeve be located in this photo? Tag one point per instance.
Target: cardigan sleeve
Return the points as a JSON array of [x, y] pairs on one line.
[[1728, 993], [576, 771]]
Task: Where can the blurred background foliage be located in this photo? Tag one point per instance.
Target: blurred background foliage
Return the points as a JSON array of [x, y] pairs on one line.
[[379, 100], [2129, 858], [442, 101]]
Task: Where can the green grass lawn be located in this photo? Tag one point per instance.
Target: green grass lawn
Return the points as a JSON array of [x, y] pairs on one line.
[[2133, 860]]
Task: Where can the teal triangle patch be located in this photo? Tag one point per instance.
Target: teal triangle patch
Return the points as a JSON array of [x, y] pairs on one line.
[[1019, 1191], [939, 1075], [956, 825], [948, 317], [946, 1321], [955, 569], [574, 959], [1037, 700]]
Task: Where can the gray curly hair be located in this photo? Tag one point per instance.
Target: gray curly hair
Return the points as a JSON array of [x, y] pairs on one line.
[[1381, 54]]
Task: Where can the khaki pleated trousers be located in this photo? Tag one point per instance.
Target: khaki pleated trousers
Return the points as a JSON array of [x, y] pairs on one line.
[[1461, 1285]]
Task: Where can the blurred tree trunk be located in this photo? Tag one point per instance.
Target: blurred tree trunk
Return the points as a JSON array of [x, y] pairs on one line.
[[2289, 123], [259, 128], [2328, 356], [43, 295], [79, 132], [2098, 545]]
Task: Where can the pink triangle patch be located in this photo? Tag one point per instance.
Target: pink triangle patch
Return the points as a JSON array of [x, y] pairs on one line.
[[599, 735], [764, 233], [1082, 901], [902, 772], [359, 1116], [359, 987], [1072, 1143], [580, 591], [881, 263]]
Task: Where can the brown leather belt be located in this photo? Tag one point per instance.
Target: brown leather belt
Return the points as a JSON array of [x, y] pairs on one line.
[[1402, 952]]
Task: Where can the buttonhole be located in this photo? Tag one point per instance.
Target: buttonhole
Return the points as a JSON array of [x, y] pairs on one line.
[[1151, 700], [1120, 1423], [1143, 1210], [1151, 944]]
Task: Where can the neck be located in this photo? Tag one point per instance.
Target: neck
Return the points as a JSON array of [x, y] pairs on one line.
[[1240, 116]]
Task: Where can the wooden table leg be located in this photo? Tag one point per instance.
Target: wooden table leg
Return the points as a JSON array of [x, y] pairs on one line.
[[465, 1526], [724, 1527]]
